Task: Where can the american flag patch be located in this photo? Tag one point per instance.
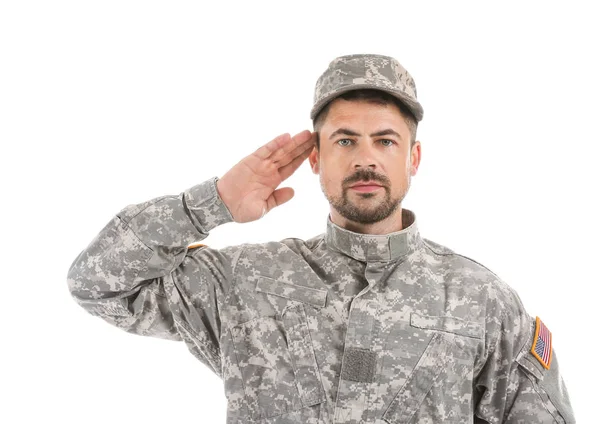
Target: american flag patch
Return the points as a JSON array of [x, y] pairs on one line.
[[542, 343]]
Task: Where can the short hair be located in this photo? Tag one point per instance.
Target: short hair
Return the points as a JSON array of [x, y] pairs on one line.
[[372, 96]]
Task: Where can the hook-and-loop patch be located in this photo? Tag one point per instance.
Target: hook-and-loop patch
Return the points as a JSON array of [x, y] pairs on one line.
[[542, 343]]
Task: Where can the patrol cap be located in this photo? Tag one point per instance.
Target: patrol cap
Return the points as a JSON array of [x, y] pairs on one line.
[[356, 71]]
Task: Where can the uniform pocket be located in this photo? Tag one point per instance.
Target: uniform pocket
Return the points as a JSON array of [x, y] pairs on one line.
[[289, 291], [278, 364], [447, 324], [437, 387]]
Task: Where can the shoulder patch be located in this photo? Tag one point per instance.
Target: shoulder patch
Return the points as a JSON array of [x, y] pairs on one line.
[[542, 344], [194, 245]]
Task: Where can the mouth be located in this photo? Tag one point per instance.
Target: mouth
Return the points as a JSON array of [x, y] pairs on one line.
[[366, 187]]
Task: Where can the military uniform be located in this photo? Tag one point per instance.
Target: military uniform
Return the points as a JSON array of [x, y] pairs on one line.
[[343, 328]]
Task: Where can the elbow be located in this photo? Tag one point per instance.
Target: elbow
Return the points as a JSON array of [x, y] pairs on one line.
[[75, 280], [85, 281]]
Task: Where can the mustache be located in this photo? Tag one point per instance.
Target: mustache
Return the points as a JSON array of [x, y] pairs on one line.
[[367, 176]]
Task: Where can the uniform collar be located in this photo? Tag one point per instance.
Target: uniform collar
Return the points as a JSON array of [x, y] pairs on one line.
[[375, 247]]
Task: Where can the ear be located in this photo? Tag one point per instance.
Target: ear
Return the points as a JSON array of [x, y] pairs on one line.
[[415, 158], [313, 158]]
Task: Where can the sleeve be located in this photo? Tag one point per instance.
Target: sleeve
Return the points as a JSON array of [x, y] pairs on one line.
[[520, 381], [140, 274]]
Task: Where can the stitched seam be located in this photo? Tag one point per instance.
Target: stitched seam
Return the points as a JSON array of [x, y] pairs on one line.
[[462, 256], [494, 345], [507, 411], [142, 210], [233, 343], [318, 244], [128, 228], [235, 277], [239, 367], [294, 287], [321, 241], [539, 391], [311, 349], [194, 334], [395, 402], [464, 332], [148, 253], [557, 416], [373, 394], [453, 332]]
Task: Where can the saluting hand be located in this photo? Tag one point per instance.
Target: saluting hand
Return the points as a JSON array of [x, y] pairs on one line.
[[249, 189]]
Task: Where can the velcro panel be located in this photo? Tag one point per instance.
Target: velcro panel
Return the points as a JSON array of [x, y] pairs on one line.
[[359, 364]]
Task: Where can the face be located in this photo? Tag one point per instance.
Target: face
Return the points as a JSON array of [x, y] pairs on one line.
[[362, 141]]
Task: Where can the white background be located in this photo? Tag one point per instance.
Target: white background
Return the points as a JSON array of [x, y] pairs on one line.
[[104, 104]]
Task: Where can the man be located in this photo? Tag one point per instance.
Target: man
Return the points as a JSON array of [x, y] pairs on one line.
[[365, 323]]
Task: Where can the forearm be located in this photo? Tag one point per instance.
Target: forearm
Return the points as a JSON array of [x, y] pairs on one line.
[[145, 241]]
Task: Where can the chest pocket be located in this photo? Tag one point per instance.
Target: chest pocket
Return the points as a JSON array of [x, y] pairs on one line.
[[275, 354], [438, 388]]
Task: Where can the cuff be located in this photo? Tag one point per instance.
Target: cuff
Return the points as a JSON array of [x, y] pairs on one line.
[[206, 206]]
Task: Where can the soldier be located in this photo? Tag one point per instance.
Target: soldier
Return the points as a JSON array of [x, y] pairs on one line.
[[367, 322]]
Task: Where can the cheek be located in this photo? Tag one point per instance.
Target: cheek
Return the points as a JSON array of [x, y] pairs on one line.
[[399, 177], [330, 181], [333, 172], [327, 179]]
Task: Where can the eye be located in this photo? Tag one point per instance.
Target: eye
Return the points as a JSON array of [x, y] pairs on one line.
[[391, 142], [344, 139]]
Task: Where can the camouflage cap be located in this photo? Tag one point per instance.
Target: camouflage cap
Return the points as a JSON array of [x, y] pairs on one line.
[[355, 71]]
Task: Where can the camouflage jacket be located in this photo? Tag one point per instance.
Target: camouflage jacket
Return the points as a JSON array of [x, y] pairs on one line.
[[343, 328]]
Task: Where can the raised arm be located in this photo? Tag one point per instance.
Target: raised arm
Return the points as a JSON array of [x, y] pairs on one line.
[[125, 273], [139, 272]]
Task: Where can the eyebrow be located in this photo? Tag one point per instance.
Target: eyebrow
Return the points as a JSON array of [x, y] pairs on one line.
[[347, 131]]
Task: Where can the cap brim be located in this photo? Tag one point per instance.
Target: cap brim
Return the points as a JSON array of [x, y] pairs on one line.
[[415, 108]]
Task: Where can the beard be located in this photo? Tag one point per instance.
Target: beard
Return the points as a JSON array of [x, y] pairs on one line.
[[366, 207]]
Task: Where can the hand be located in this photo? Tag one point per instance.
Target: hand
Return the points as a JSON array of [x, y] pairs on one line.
[[249, 189]]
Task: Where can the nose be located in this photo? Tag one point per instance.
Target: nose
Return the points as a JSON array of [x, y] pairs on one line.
[[364, 157]]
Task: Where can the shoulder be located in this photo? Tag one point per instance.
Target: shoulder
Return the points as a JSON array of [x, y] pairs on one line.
[[495, 292], [494, 301], [258, 255], [299, 245]]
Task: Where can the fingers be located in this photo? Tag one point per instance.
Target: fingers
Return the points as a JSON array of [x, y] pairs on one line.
[[282, 159], [283, 144], [272, 146], [291, 167], [302, 137], [279, 197]]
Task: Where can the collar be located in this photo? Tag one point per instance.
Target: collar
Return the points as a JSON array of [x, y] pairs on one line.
[[375, 247]]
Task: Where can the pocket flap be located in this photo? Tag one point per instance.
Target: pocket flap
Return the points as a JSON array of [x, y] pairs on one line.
[[314, 297], [308, 378], [447, 324]]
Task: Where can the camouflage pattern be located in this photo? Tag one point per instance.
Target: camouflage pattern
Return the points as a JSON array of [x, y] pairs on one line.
[[342, 328], [351, 72]]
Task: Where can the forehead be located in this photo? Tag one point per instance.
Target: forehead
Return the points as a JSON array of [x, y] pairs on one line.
[[363, 113]]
